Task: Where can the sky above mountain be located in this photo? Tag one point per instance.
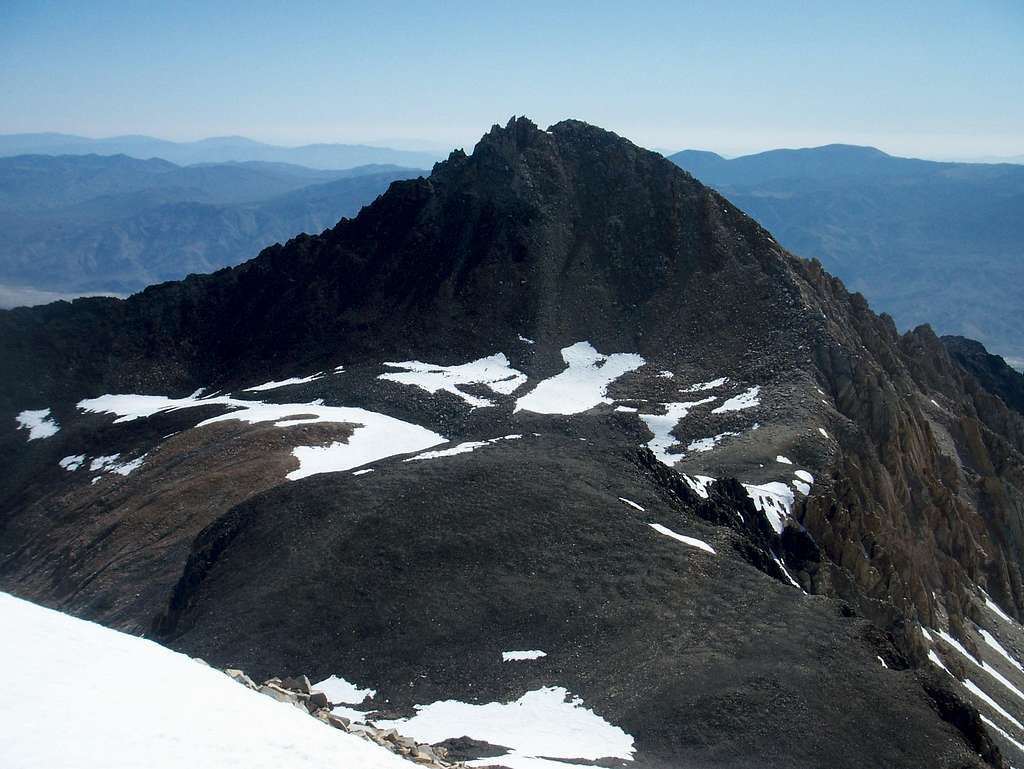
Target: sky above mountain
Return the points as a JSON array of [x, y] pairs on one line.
[[931, 79]]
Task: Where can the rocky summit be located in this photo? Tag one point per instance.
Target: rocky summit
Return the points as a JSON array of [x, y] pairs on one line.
[[551, 458]]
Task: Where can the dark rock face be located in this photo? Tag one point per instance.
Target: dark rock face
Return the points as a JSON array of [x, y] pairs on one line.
[[991, 371], [909, 234], [416, 577]]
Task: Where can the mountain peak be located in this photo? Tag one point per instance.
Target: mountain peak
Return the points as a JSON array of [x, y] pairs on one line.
[[598, 337]]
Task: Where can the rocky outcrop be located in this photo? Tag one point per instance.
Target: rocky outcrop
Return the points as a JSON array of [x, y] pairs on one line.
[[296, 690]]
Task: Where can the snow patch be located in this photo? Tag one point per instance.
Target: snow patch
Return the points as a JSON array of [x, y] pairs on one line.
[[714, 384], [531, 654], [745, 400], [994, 607], [40, 424], [994, 644], [543, 723], [978, 692], [583, 385], [707, 444], [804, 476], [980, 663], [295, 380], [988, 722], [109, 464], [73, 462], [822, 431], [342, 692], [774, 499], [374, 437], [129, 407], [632, 504], [783, 460], [785, 571], [662, 426], [494, 372], [462, 448], [691, 541], [936, 661], [102, 463]]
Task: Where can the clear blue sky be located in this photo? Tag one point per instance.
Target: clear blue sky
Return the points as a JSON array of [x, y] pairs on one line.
[[932, 79]]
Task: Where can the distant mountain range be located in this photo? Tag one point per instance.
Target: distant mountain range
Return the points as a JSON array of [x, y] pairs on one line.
[[86, 224], [924, 241], [220, 149]]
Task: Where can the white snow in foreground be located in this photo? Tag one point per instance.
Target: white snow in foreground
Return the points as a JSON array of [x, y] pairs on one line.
[[980, 663], [707, 444], [988, 722], [583, 385], [774, 499], [783, 460], [662, 426], [80, 705], [72, 462], [714, 384], [745, 400], [977, 691], [519, 656], [494, 372], [545, 722], [374, 437], [40, 424], [340, 691], [691, 541], [993, 643], [632, 504], [295, 380], [462, 448]]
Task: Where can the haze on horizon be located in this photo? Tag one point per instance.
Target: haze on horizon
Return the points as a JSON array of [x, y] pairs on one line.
[[938, 80]]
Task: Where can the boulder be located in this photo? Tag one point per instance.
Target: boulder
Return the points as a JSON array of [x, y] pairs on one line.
[[296, 684], [241, 677]]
